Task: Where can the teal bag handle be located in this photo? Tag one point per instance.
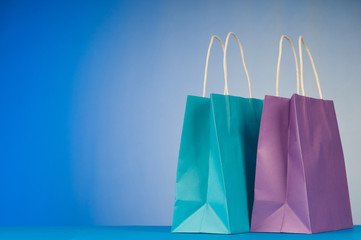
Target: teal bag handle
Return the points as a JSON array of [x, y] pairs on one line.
[[243, 61], [207, 61], [224, 48]]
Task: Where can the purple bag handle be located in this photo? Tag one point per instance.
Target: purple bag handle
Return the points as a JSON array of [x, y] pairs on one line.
[[300, 41], [279, 63]]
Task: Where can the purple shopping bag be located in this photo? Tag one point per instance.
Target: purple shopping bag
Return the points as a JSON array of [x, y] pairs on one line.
[[300, 184]]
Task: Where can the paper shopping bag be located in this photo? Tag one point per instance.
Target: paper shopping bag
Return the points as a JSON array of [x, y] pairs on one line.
[[216, 165], [300, 184]]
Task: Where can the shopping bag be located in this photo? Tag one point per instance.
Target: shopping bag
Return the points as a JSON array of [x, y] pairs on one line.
[[300, 184], [216, 164]]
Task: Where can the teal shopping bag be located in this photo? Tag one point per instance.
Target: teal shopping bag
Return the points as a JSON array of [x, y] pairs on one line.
[[216, 164]]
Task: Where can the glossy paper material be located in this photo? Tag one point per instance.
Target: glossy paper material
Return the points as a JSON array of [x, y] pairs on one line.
[[216, 165], [300, 184]]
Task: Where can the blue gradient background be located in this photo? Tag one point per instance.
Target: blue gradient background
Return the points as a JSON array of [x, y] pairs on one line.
[[92, 96]]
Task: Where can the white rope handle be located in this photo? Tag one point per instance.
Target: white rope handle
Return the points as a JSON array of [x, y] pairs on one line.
[[225, 63], [207, 61], [279, 63], [300, 41]]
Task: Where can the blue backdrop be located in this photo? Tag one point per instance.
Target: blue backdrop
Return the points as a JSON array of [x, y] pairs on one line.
[[92, 96]]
